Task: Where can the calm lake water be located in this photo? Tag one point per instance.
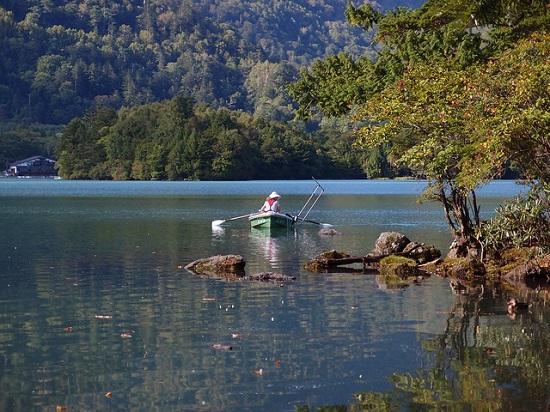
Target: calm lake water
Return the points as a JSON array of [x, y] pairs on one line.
[[94, 299]]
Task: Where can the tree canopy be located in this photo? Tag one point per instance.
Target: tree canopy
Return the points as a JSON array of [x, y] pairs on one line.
[[60, 57], [176, 140], [461, 93]]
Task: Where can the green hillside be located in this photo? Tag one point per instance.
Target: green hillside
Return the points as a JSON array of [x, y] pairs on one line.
[[61, 57]]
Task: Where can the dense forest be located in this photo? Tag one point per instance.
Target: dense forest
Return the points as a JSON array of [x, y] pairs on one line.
[[59, 58], [177, 140]]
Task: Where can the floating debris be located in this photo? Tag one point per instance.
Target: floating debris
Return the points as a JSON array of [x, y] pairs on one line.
[[222, 347]]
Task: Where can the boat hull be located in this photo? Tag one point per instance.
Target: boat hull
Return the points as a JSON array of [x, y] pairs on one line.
[[270, 220]]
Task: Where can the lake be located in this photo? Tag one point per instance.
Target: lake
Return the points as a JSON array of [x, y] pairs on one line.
[[98, 313]]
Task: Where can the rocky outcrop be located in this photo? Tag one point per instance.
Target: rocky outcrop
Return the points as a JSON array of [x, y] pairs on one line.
[[227, 266], [395, 243], [231, 267], [320, 262], [389, 243]]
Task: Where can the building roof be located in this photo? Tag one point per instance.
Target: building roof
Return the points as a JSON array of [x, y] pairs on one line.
[[30, 159]]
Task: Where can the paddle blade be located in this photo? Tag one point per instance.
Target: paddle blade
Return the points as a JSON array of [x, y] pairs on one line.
[[326, 225], [217, 222], [323, 225]]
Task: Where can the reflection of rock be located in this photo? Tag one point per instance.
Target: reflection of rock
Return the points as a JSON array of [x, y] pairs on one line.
[[228, 266], [270, 277]]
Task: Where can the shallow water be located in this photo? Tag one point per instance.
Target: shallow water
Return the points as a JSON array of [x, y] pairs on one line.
[[94, 299]]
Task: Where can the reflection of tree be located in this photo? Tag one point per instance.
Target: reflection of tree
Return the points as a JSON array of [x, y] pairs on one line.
[[476, 364]]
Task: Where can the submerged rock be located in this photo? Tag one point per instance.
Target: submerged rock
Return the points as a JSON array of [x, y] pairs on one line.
[[329, 232], [270, 277]]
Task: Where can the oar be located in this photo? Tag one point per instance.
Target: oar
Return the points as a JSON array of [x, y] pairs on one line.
[[219, 222], [323, 225]]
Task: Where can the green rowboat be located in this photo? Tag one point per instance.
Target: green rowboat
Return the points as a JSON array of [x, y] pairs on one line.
[[271, 220]]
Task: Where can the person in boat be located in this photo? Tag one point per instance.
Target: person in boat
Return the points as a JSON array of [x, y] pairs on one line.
[[271, 203]]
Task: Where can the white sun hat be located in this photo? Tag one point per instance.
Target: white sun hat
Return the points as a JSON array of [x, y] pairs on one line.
[[274, 195]]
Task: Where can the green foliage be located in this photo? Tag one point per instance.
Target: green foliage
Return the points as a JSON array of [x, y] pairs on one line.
[[59, 58], [81, 153], [334, 85], [521, 222], [461, 126], [462, 32], [175, 140], [20, 142]]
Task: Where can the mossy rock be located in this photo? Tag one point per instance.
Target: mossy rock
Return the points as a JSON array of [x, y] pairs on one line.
[[464, 269], [398, 266], [319, 262], [331, 254], [315, 266]]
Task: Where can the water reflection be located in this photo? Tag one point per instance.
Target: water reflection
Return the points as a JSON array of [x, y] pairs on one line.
[[93, 299], [480, 359], [268, 242]]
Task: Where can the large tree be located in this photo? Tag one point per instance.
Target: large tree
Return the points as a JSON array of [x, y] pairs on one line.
[[450, 105], [460, 128]]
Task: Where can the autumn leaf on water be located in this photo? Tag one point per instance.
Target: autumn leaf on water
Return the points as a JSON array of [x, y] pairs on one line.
[[236, 335], [61, 408], [258, 372], [278, 363], [126, 335], [109, 394], [69, 329]]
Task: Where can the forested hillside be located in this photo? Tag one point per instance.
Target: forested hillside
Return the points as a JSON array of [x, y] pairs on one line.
[[60, 57]]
